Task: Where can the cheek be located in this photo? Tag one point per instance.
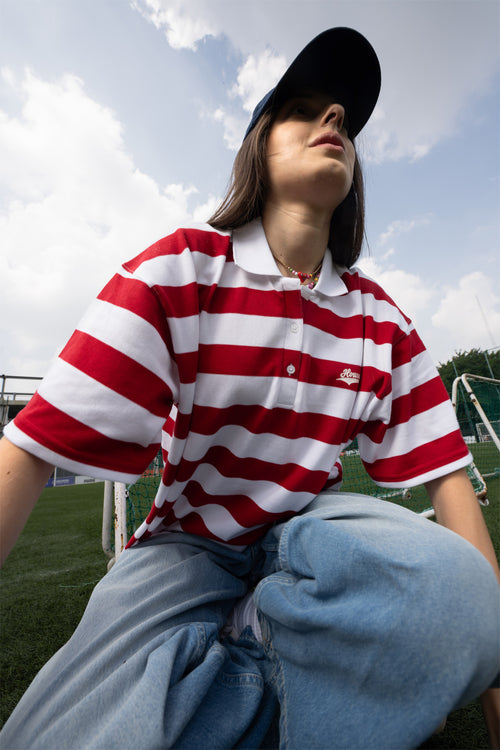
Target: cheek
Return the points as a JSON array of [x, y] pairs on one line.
[[279, 149], [351, 154], [349, 172], [281, 159]]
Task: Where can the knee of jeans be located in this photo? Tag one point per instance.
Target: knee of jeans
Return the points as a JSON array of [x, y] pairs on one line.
[[418, 567]]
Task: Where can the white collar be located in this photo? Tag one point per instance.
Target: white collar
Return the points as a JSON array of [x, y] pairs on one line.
[[252, 253]]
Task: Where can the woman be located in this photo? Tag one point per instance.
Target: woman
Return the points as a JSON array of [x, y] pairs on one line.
[[262, 354]]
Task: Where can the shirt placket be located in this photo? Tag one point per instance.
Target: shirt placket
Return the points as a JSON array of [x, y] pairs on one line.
[[292, 343]]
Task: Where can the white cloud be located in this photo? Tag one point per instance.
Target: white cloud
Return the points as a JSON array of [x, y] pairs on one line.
[[470, 313], [444, 56], [257, 75], [412, 293], [460, 317], [203, 212], [233, 127], [401, 226], [75, 208], [183, 27]]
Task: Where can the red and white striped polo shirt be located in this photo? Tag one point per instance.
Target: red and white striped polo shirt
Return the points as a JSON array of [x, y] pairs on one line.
[[253, 383]]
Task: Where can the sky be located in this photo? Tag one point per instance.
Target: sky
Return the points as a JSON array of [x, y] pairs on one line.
[[120, 120]]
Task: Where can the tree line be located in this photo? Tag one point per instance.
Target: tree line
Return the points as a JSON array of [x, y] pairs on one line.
[[475, 361]]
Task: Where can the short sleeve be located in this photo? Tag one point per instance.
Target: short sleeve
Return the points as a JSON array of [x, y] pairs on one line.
[[411, 435], [101, 407]]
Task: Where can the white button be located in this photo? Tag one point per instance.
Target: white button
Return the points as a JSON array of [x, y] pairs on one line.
[[290, 369], [294, 328]]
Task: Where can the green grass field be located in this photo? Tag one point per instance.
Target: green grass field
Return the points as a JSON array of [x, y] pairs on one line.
[[48, 578]]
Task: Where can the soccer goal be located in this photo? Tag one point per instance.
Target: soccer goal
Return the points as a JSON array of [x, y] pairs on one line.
[[477, 404], [125, 506]]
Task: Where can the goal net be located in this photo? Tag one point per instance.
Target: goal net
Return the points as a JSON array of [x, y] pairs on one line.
[[484, 434], [477, 405]]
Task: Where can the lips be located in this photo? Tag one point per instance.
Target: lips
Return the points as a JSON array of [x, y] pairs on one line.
[[332, 139]]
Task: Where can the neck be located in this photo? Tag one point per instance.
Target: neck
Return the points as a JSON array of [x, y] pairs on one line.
[[296, 238]]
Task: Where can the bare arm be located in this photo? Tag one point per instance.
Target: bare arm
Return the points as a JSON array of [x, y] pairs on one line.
[[457, 508], [22, 478]]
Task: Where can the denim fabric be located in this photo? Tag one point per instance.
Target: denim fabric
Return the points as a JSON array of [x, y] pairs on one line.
[[376, 624], [150, 632], [379, 622]]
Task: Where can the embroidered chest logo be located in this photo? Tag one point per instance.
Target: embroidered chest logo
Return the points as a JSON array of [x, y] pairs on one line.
[[349, 377]]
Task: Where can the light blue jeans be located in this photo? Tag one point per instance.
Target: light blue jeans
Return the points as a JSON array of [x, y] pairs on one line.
[[376, 623]]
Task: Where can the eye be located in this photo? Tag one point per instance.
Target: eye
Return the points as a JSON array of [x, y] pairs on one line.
[[298, 109]]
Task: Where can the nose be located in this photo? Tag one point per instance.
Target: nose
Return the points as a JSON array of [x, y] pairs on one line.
[[334, 113]]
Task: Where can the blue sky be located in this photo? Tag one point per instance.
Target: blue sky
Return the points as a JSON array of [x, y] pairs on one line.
[[119, 120]]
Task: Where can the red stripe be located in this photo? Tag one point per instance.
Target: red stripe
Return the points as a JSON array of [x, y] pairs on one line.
[[197, 240], [354, 327], [256, 419], [421, 460], [245, 301], [136, 297], [408, 347], [194, 524], [242, 508], [190, 299], [354, 281], [159, 512], [247, 361], [328, 373], [72, 439], [119, 372], [179, 301], [422, 398], [290, 476], [226, 359], [187, 365], [133, 539]]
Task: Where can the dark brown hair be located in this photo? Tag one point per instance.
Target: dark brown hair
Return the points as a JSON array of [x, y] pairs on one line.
[[247, 192]]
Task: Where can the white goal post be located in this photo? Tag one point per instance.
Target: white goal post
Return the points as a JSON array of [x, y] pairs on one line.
[[464, 379]]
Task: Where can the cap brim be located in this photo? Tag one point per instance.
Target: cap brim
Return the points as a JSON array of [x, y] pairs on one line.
[[339, 62]]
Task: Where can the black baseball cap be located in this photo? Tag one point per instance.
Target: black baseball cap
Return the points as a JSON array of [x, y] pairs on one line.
[[340, 62]]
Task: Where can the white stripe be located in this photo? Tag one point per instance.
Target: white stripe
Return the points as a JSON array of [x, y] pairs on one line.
[[208, 269], [217, 519], [221, 391], [181, 269], [412, 374], [322, 345], [416, 432], [168, 270], [267, 495], [364, 302], [246, 330], [133, 336], [305, 452], [83, 399]]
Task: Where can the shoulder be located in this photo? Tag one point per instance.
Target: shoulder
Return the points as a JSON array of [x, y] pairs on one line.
[[190, 238], [372, 296]]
